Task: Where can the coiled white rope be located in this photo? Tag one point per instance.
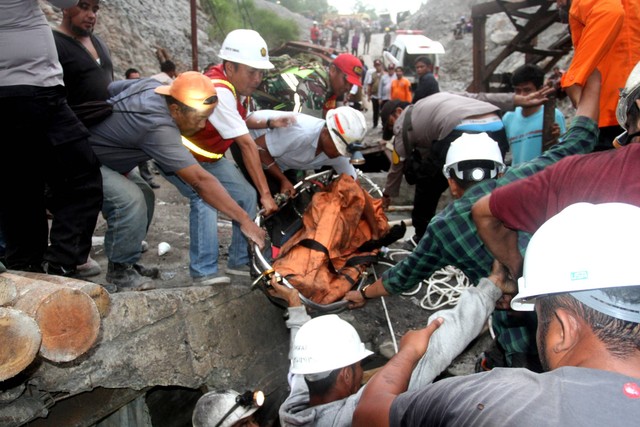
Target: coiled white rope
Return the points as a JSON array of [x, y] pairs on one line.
[[443, 288]]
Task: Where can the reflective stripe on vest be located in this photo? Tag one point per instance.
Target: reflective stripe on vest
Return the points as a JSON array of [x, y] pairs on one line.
[[204, 153]]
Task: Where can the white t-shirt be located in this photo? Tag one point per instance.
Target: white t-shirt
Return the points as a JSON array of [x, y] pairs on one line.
[[294, 147], [226, 118]]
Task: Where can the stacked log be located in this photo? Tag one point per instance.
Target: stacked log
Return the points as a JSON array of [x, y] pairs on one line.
[[98, 294], [20, 338], [57, 317]]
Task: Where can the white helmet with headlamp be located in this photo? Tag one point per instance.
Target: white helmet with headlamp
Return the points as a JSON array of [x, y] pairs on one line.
[[473, 157], [584, 250], [246, 47], [224, 408]]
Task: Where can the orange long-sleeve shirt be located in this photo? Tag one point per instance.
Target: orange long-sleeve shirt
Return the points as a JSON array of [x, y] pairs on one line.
[[605, 36], [401, 89]]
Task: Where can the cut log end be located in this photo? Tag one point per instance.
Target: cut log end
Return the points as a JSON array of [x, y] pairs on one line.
[[69, 322], [20, 338]]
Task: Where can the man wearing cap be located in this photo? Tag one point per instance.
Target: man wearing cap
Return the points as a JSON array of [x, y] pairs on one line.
[[307, 143], [344, 72], [581, 277], [147, 122], [244, 57], [451, 236], [326, 352], [524, 205], [371, 82]]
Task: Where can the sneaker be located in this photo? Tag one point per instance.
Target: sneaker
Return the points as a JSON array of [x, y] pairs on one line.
[[212, 279], [144, 246], [152, 272], [88, 269], [127, 278], [241, 270]]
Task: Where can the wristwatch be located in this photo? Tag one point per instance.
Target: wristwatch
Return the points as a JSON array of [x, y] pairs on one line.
[[363, 291]]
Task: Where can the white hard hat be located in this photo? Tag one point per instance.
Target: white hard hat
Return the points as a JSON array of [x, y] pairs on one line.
[[473, 146], [225, 408], [324, 344], [581, 250], [346, 126], [246, 47]]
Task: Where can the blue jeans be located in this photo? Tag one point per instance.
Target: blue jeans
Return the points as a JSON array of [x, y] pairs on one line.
[[128, 208], [203, 219]]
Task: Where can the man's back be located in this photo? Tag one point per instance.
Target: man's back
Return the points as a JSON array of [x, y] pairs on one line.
[[569, 396], [138, 129]]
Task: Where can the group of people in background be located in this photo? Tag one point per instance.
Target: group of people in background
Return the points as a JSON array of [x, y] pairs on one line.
[[347, 35]]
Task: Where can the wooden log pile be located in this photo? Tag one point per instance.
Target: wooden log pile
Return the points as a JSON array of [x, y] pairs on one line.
[[55, 317]]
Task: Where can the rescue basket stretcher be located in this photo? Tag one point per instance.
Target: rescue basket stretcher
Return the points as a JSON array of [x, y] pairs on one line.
[[286, 228]]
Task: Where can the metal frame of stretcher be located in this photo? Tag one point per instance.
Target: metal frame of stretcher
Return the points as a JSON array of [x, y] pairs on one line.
[[263, 266]]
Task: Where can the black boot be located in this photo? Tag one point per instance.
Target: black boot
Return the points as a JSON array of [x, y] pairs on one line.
[[58, 270], [127, 278], [152, 272]]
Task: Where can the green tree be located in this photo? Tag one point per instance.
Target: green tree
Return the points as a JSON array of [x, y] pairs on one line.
[[360, 7], [229, 15]]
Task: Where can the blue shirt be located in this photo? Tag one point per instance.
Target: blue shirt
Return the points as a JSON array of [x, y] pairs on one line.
[[525, 133]]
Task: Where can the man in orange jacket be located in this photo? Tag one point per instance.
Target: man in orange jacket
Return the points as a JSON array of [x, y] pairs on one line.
[[603, 37], [401, 87]]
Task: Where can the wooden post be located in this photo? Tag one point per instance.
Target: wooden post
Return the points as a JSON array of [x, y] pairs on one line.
[[479, 55], [548, 119], [20, 338], [68, 318]]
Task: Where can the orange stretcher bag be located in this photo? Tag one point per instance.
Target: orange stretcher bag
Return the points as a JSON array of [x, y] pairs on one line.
[[322, 260]]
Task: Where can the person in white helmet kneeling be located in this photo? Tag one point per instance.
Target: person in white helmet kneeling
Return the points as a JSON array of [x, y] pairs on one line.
[[582, 277], [327, 353], [307, 143]]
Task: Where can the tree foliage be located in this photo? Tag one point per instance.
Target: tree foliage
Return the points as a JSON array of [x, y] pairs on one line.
[[229, 15], [360, 7]]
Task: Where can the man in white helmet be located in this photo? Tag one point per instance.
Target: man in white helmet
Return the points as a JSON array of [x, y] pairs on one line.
[[307, 143], [227, 408], [596, 178], [244, 57], [582, 276], [326, 352], [451, 237]]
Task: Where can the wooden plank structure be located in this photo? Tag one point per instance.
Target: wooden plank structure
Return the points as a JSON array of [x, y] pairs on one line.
[[530, 18]]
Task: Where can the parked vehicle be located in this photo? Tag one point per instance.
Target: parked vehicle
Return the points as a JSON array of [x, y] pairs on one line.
[[407, 47]]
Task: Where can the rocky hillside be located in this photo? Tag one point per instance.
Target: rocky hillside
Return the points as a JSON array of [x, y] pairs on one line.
[[135, 29]]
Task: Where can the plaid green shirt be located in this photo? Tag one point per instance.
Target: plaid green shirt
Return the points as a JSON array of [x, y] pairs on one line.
[[451, 237]]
